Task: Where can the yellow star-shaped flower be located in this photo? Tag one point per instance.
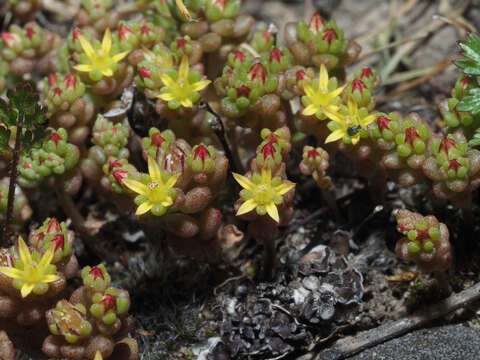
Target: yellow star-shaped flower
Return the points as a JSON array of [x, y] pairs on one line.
[[320, 101], [262, 193], [33, 275], [180, 89], [158, 194], [351, 125], [100, 59]]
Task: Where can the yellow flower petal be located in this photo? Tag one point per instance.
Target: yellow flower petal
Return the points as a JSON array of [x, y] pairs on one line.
[[355, 139], [367, 120], [244, 182], [246, 207], [266, 176], [167, 80], [107, 41], [284, 188], [337, 92], [310, 110], [186, 103], [308, 90], [107, 72], [98, 356], [26, 289], [352, 106], [200, 85], [184, 68], [11, 272], [50, 278], [167, 202], [87, 47], [166, 97], [154, 170], [335, 116], [120, 56], [144, 208], [136, 186], [273, 211], [83, 67], [334, 136], [172, 181], [47, 258], [24, 252], [323, 77]]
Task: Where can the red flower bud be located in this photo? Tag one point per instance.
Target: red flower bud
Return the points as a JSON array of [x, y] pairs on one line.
[[268, 150], [466, 82], [108, 302], [57, 91], [316, 23], [52, 79], [383, 123], [243, 90], [55, 138], [266, 35], [70, 81], [313, 153], [276, 54], [258, 72], [157, 139], [59, 242], [201, 152], [411, 134], [76, 34], [145, 30], [124, 31], [10, 38], [447, 144], [181, 43], [240, 56], [114, 164], [145, 73], [454, 164], [96, 272], [120, 175], [358, 85], [329, 35], [30, 32], [272, 138], [366, 73], [53, 226], [301, 75]]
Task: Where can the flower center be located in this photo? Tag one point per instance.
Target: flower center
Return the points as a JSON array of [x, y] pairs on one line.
[[157, 193], [263, 194]]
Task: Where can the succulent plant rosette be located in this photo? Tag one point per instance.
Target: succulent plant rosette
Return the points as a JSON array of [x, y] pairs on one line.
[[25, 10], [177, 194], [102, 65], [97, 15], [320, 42], [94, 320], [29, 48], [53, 163], [68, 108], [425, 242], [454, 169], [29, 283]]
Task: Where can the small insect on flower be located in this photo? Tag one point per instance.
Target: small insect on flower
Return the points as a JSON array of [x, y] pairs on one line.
[[262, 193], [31, 274], [320, 100], [182, 90], [158, 194], [100, 60], [349, 126]]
